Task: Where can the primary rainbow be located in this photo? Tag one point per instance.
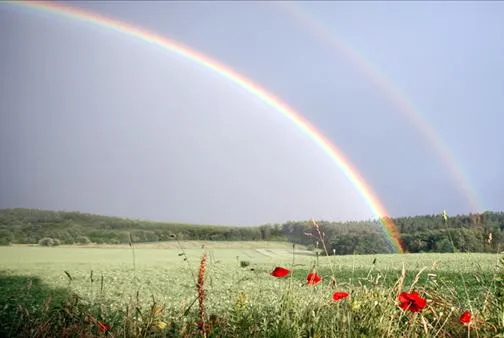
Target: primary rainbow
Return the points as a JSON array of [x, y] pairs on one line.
[[398, 99], [305, 126]]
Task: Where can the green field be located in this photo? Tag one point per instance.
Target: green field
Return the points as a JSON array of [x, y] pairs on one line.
[[112, 279]]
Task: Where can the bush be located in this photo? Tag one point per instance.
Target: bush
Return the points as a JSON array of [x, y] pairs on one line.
[[83, 240], [5, 237], [310, 247], [48, 241], [244, 264]]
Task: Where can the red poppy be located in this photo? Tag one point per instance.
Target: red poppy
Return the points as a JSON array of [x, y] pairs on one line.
[[103, 327], [339, 295], [465, 318], [280, 272], [312, 278], [412, 301]]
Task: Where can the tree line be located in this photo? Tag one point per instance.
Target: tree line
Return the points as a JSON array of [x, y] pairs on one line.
[[427, 233]]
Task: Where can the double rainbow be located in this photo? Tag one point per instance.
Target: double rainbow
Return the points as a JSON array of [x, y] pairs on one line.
[[303, 124]]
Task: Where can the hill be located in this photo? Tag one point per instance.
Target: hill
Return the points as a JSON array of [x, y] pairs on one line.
[[427, 233]]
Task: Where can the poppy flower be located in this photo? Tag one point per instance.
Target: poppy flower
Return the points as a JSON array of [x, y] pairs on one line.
[[280, 272], [312, 279], [465, 318], [103, 327], [411, 301], [339, 295]]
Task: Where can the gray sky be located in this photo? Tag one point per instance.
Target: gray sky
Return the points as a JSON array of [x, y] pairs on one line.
[[96, 121]]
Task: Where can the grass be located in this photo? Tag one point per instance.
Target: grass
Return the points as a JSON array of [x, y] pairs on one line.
[[152, 289]]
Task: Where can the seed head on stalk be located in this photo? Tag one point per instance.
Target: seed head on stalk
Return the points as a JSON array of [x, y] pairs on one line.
[[201, 294]]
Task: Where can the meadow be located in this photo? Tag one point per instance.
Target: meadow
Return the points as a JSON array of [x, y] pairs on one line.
[[152, 289]]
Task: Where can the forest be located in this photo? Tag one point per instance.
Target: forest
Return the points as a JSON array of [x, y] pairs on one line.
[[427, 233]]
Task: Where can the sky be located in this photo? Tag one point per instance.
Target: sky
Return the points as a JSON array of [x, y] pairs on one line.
[[95, 121]]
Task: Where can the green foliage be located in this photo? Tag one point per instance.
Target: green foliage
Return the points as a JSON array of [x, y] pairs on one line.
[[83, 240], [48, 241], [461, 233], [5, 237]]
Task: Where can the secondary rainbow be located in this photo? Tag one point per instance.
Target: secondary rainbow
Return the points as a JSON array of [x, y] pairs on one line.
[[398, 99], [304, 125]]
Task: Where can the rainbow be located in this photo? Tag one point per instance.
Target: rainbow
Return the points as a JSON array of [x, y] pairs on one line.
[[390, 230], [394, 95]]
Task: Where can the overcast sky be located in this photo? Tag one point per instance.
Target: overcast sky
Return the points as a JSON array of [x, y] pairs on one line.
[[96, 121]]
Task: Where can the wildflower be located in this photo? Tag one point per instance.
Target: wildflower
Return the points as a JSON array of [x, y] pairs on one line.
[[411, 301], [280, 272], [356, 305], [312, 278], [103, 327], [160, 324], [339, 295], [465, 318]]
